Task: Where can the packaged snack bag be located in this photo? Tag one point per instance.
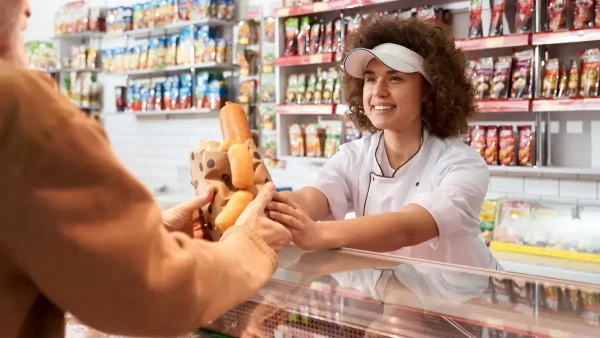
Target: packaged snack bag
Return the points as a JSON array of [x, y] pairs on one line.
[[332, 141], [210, 52], [290, 93], [475, 26], [267, 88], [138, 16], [185, 46], [174, 99], [200, 9], [143, 57], [506, 154], [524, 18], [483, 75], [303, 38], [597, 14], [171, 50], [551, 77], [167, 93], [159, 96], [525, 146], [522, 74], [336, 45], [491, 145], [557, 15], [153, 52], [185, 91], [589, 73], [478, 139], [185, 9], [234, 168], [583, 14], [297, 147], [327, 37], [315, 45], [201, 90], [573, 84], [216, 94], [501, 79], [315, 140], [291, 34], [496, 22], [563, 82], [247, 92], [487, 218], [300, 89]]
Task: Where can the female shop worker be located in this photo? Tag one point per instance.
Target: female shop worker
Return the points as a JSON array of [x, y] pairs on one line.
[[80, 234], [415, 187]]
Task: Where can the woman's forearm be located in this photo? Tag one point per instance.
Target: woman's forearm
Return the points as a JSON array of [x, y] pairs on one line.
[[386, 232], [312, 201]]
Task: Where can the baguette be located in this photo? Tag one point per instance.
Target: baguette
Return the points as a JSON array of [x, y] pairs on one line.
[[234, 123]]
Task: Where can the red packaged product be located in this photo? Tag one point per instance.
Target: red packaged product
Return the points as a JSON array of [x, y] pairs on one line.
[[525, 146], [506, 154], [597, 14], [557, 15], [475, 26], [478, 139], [491, 145], [583, 14], [496, 20], [524, 18]]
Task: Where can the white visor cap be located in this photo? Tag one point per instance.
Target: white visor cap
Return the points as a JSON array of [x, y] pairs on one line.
[[392, 55]]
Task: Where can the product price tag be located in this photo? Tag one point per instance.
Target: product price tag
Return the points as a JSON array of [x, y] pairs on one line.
[[320, 7], [495, 42], [284, 11], [494, 322], [557, 334], [317, 58]]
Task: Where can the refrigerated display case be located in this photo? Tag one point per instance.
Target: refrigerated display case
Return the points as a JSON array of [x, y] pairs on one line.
[[347, 293]]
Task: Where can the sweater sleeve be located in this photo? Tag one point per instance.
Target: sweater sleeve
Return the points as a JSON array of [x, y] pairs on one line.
[[89, 235]]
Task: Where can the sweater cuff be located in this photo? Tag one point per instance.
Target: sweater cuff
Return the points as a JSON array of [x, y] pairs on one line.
[[255, 239]]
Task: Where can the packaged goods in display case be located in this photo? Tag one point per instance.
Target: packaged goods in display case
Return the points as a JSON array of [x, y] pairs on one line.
[[78, 17], [557, 15], [524, 17], [522, 75], [315, 140], [478, 139], [583, 14], [332, 141], [501, 80], [475, 26], [496, 21], [297, 140], [551, 78], [506, 153], [483, 75], [234, 168], [491, 145], [42, 55], [487, 218], [590, 66]]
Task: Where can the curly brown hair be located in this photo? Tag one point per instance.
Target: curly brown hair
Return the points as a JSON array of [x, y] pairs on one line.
[[449, 100]]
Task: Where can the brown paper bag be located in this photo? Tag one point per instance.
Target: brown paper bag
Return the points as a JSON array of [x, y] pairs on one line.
[[211, 168]]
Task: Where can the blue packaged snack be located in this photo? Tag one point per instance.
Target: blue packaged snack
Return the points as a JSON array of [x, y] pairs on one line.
[[138, 16], [162, 50], [214, 96], [153, 52], [230, 9], [167, 92], [135, 94], [144, 94], [143, 57], [201, 9], [129, 98], [201, 91], [185, 91], [174, 97], [158, 96], [171, 50], [185, 46]]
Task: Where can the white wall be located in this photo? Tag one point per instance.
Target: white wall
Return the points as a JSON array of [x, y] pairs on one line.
[[155, 149]]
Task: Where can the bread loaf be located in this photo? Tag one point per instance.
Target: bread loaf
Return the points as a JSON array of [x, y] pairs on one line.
[[234, 123], [233, 209]]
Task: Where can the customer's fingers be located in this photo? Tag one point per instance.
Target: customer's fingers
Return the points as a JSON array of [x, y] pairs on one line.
[[286, 220], [264, 197], [279, 197], [199, 201], [282, 208]]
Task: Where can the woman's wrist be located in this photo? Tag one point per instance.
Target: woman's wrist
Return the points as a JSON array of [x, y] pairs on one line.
[[329, 237]]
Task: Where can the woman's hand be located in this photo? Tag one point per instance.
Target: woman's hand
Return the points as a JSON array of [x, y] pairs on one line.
[[305, 232], [185, 216], [254, 217]]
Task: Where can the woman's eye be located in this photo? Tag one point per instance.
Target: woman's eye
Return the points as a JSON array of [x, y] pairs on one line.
[[395, 79], [370, 79]]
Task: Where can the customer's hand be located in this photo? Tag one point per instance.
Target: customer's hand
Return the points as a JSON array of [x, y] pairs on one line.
[[184, 216], [255, 218], [305, 231]]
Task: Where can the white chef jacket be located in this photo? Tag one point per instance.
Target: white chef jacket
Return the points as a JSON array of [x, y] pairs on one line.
[[446, 177]]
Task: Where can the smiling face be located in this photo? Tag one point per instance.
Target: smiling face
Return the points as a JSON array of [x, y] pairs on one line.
[[13, 22], [392, 100]]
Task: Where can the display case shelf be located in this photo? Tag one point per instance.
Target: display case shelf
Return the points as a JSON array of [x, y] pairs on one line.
[[80, 35], [503, 106], [168, 29], [176, 112], [306, 109], [583, 173], [567, 104], [71, 70], [494, 42], [175, 69], [571, 36], [319, 7], [304, 159], [298, 60]]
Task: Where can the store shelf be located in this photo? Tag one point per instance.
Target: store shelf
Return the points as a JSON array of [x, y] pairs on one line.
[[314, 160], [584, 173], [319, 7], [297, 60], [503, 106], [176, 112], [546, 252], [572, 36], [70, 70], [81, 35], [165, 30], [494, 42], [306, 109], [574, 104], [174, 69]]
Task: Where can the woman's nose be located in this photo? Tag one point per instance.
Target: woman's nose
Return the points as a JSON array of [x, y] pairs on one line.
[[381, 89]]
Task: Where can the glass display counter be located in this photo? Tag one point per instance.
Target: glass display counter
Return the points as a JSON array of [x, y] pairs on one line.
[[346, 293]]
